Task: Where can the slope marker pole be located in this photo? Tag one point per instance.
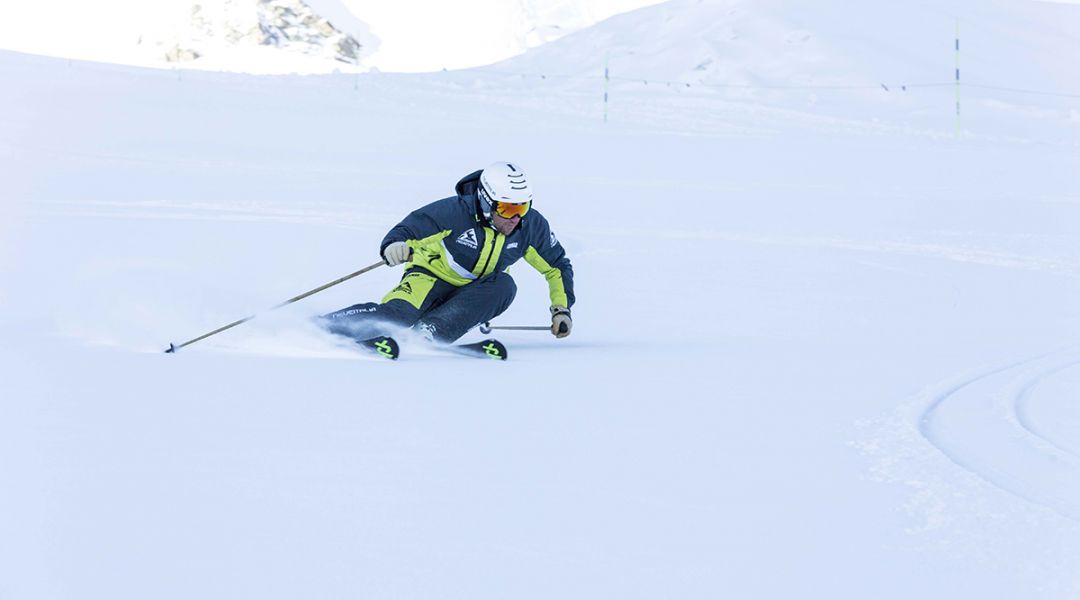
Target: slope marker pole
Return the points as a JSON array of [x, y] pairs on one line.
[[607, 78], [958, 77]]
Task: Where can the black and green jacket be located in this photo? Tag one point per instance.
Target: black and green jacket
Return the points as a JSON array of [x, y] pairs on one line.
[[452, 239]]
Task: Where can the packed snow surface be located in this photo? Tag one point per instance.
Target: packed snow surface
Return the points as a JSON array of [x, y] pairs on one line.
[[826, 344]]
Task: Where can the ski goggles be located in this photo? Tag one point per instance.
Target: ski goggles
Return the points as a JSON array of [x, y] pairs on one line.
[[507, 210]]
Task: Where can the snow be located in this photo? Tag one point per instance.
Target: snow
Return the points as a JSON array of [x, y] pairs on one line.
[[404, 36], [823, 348]]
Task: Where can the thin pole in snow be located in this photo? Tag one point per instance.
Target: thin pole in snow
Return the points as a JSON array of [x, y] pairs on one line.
[[957, 77], [607, 78]]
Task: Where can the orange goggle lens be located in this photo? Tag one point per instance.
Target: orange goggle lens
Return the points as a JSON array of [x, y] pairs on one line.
[[507, 210]]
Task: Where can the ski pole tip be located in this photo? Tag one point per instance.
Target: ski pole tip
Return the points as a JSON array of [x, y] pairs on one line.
[[171, 349], [485, 327]]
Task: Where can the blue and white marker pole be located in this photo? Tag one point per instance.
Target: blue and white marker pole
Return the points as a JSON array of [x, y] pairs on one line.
[[958, 78], [607, 78]]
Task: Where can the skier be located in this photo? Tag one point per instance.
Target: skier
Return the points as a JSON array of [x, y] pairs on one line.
[[457, 252]]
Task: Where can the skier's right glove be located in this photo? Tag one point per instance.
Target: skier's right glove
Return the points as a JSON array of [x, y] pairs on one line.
[[560, 321], [396, 253]]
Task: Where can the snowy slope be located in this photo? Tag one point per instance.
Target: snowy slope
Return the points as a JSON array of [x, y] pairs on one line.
[[294, 36], [878, 60], [819, 351], [783, 43], [428, 36]]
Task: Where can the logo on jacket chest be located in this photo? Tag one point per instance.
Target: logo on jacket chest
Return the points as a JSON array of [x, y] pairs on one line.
[[468, 239]]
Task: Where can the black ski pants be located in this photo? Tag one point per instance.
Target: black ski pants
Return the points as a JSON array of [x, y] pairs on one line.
[[422, 300]]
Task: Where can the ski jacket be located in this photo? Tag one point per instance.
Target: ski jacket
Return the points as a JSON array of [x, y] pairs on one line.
[[452, 239]]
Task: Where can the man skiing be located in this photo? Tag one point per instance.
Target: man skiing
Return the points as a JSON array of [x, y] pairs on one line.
[[457, 252]]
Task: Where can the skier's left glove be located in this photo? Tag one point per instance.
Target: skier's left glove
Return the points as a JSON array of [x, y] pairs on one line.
[[561, 324]]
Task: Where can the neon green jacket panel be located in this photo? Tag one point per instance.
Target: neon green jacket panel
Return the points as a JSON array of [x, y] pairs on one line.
[[430, 253], [556, 287]]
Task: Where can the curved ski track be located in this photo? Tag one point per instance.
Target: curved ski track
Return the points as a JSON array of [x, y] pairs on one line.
[[981, 424]]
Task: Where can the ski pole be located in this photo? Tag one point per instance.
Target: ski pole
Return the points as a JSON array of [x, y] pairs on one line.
[[174, 347], [486, 327]]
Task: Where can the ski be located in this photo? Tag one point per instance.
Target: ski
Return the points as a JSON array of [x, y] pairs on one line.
[[489, 348], [384, 346], [387, 347]]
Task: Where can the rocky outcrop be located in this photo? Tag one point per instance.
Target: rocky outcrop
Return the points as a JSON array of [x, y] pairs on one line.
[[290, 25]]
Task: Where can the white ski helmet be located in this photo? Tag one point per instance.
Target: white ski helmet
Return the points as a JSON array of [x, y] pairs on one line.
[[502, 182]]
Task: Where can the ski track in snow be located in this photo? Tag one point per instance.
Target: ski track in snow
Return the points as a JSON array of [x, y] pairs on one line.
[[1023, 412], [950, 252], [344, 218], [170, 211], [982, 424]]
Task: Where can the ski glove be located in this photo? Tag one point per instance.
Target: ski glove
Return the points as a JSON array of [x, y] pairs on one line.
[[561, 324], [396, 253]]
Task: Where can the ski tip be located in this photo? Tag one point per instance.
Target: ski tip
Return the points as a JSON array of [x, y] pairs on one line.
[[394, 351], [494, 349], [489, 348], [171, 349], [384, 346]]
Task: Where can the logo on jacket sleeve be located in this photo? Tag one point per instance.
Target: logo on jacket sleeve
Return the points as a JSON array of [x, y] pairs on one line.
[[468, 239], [553, 240]]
